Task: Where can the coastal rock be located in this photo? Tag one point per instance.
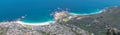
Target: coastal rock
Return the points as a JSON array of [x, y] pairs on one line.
[[59, 15], [96, 23]]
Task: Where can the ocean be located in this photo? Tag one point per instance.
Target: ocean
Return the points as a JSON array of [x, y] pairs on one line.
[[37, 11]]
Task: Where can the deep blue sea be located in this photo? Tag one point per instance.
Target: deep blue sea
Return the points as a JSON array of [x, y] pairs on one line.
[[40, 10]]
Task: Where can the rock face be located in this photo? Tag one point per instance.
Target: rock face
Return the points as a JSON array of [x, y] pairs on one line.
[[113, 31], [96, 23], [59, 15]]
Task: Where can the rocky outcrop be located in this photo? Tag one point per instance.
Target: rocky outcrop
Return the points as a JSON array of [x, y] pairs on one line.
[[95, 23], [59, 15], [113, 31]]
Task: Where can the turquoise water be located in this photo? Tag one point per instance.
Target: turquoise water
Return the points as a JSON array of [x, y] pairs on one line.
[[40, 10]]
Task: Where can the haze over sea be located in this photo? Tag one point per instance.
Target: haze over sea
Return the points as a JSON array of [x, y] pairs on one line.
[[39, 10]]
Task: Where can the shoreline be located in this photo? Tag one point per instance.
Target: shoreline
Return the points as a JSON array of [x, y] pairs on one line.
[[101, 11], [41, 23], [52, 21]]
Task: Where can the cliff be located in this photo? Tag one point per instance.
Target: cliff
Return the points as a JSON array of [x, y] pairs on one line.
[[95, 23]]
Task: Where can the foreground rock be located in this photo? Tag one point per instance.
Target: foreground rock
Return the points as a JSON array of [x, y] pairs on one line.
[[113, 31]]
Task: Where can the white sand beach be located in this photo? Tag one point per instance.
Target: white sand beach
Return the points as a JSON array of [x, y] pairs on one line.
[[89, 14], [42, 23]]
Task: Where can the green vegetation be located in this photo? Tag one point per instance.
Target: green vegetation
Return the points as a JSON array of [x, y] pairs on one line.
[[3, 31], [44, 33], [66, 20]]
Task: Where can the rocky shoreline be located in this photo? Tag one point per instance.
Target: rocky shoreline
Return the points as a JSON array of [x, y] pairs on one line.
[[104, 23]]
